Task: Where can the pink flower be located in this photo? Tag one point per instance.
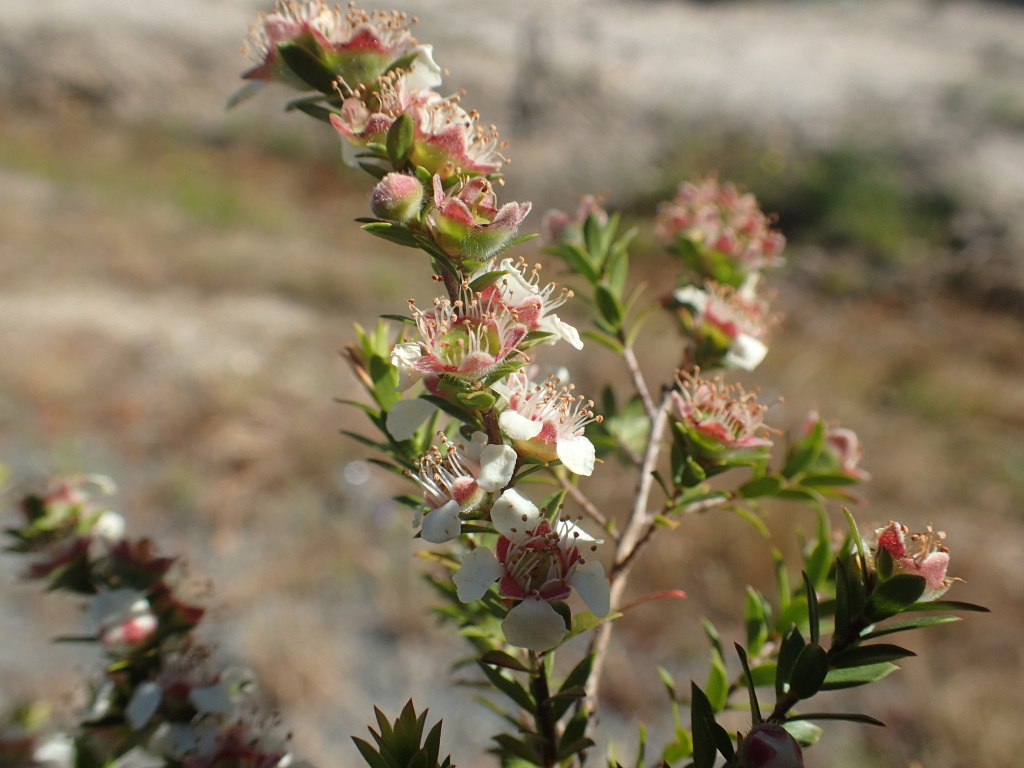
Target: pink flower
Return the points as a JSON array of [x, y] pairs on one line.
[[719, 417], [842, 448], [560, 227], [465, 338], [358, 46], [547, 421], [531, 304], [919, 553], [535, 563], [726, 230], [466, 223], [727, 324], [460, 483], [397, 197]]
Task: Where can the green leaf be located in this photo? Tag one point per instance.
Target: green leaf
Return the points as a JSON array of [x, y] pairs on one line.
[[792, 644], [717, 685], [502, 659], [510, 688], [924, 621], [399, 140], [946, 605], [478, 400], [809, 671], [395, 233], [755, 614], [510, 745], [307, 67], [805, 451], [895, 595], [852, 718], [702, 720], [813, 617], [805, 733], [768, 485], [851, 677], [609, 307], [755, 709], [866, 655]]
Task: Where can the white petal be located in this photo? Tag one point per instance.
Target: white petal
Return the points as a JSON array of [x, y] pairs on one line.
[[518, 286], [442, 524], [58, 751], [589, 580], [480, 568], [477, 441], [425, 73], [110, 527], [577, 454], [534, 625], [113, 606], [143, 704], [746, 352], [692, 296], [561, 330], [406, 416], [211, 699], [573, 534], [497, 463], [517, 426], [402, 357], [514, 514]]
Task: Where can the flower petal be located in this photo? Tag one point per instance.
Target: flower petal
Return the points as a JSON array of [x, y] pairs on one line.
[[514, 514], [746, 352], [577, 454], [442, 524], [211, 699], [560, 330], [589, 580], [406, 416], [519, 427], [534, 625], [143, 704], [497, 463], [403, 357], [480, 568]]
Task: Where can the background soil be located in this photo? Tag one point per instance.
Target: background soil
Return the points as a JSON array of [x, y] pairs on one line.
[[175, 282]]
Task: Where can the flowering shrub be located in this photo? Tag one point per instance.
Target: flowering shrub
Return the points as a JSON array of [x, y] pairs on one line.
[[500, 454]]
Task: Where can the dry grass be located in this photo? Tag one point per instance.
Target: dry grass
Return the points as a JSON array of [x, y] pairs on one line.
[[171, 309]]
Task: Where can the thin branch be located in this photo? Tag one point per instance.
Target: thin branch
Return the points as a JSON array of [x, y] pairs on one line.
[[635, 535], [638, 378]]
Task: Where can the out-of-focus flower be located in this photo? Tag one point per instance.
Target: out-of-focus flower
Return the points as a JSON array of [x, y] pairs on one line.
[[559, 227], [459, 483], [535, 563], [922, 554], [465, 338], [242, 744], [841, 450], [727, 325], [466, 222], [720, 233], [124, 619], [397, 197], [357, 47], [519, 290], [547, 422], [719, 419], [769, 745], [27, 741]]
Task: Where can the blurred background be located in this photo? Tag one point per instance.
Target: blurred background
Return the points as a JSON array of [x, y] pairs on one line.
[[176, 280]]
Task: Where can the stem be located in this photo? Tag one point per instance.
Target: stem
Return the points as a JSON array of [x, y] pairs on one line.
[[547, 727], [635, 535], [638, 378]]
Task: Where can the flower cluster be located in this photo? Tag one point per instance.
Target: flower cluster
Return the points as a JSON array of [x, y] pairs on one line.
[[159, 687], [719, 421], [719, 232], [726, 324]]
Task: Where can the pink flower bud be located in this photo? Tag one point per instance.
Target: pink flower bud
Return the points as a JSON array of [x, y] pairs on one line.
[[397, 197], [769, 745]]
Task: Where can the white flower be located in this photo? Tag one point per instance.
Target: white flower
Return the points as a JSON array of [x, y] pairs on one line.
[[460, 482], [406, 416], [547, 422], [534, 563]]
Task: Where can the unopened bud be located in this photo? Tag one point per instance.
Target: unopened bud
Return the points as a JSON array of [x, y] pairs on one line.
[[397, 197], [769, 745]]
